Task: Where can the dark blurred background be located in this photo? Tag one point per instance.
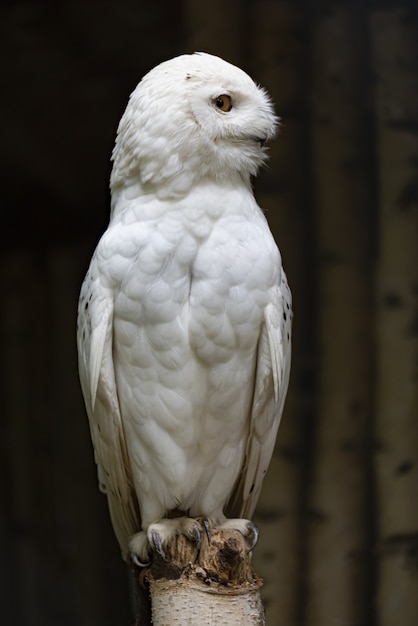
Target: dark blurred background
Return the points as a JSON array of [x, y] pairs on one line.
[[339, 511]]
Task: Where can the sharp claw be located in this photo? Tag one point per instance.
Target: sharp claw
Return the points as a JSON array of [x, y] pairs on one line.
[[137, 562], [198, 537], [156, 541], [255, 534], [207, 528]]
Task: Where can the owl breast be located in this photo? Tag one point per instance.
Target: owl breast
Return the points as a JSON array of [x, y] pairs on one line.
[[190, 296], [190, 285]]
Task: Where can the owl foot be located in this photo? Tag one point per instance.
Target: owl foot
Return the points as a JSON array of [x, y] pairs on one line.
[[247, 528], [159, 534]]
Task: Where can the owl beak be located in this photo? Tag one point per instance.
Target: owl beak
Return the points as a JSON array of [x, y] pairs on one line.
[[262, 141]]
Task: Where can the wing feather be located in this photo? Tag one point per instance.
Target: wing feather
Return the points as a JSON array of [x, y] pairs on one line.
[[271, 382], [97, 377]]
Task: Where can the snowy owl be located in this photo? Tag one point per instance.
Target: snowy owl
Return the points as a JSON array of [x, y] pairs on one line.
[[184, 316]]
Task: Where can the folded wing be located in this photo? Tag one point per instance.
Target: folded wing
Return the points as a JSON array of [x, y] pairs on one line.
[[270, 388], [97, 377]]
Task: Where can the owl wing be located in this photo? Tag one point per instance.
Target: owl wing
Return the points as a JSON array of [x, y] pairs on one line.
[[97, 377], [270, 388]]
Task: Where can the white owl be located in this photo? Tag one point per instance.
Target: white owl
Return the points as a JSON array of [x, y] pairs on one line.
[[184, 316]]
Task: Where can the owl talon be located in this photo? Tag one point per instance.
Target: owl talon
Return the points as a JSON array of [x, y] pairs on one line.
[[207, 528], [254, 534], [136, 561], [198, 537], [156, 542]]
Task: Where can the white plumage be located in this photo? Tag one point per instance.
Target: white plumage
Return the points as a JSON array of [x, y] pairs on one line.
[[184, 315]]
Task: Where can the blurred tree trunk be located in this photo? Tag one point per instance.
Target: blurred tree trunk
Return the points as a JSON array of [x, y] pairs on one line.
[[337, 561], [395, 63], [276, 48]]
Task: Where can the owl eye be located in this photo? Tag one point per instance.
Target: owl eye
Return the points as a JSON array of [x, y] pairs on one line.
[[223, 102]]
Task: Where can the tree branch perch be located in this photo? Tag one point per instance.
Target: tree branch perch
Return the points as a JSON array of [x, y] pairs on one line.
[[216, 587]]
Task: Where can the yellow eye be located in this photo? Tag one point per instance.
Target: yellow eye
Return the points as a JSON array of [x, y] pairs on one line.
[[223, 102]]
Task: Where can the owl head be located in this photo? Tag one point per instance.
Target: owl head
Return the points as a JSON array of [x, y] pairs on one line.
[[190, 118]]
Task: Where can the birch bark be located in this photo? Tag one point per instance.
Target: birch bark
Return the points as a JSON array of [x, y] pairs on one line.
[[216, 587]]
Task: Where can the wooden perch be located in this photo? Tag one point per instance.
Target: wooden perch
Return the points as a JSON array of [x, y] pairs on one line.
[[214, 588]]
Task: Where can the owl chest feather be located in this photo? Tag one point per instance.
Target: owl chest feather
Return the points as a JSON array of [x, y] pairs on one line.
[[197, 277], [189, 296]]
